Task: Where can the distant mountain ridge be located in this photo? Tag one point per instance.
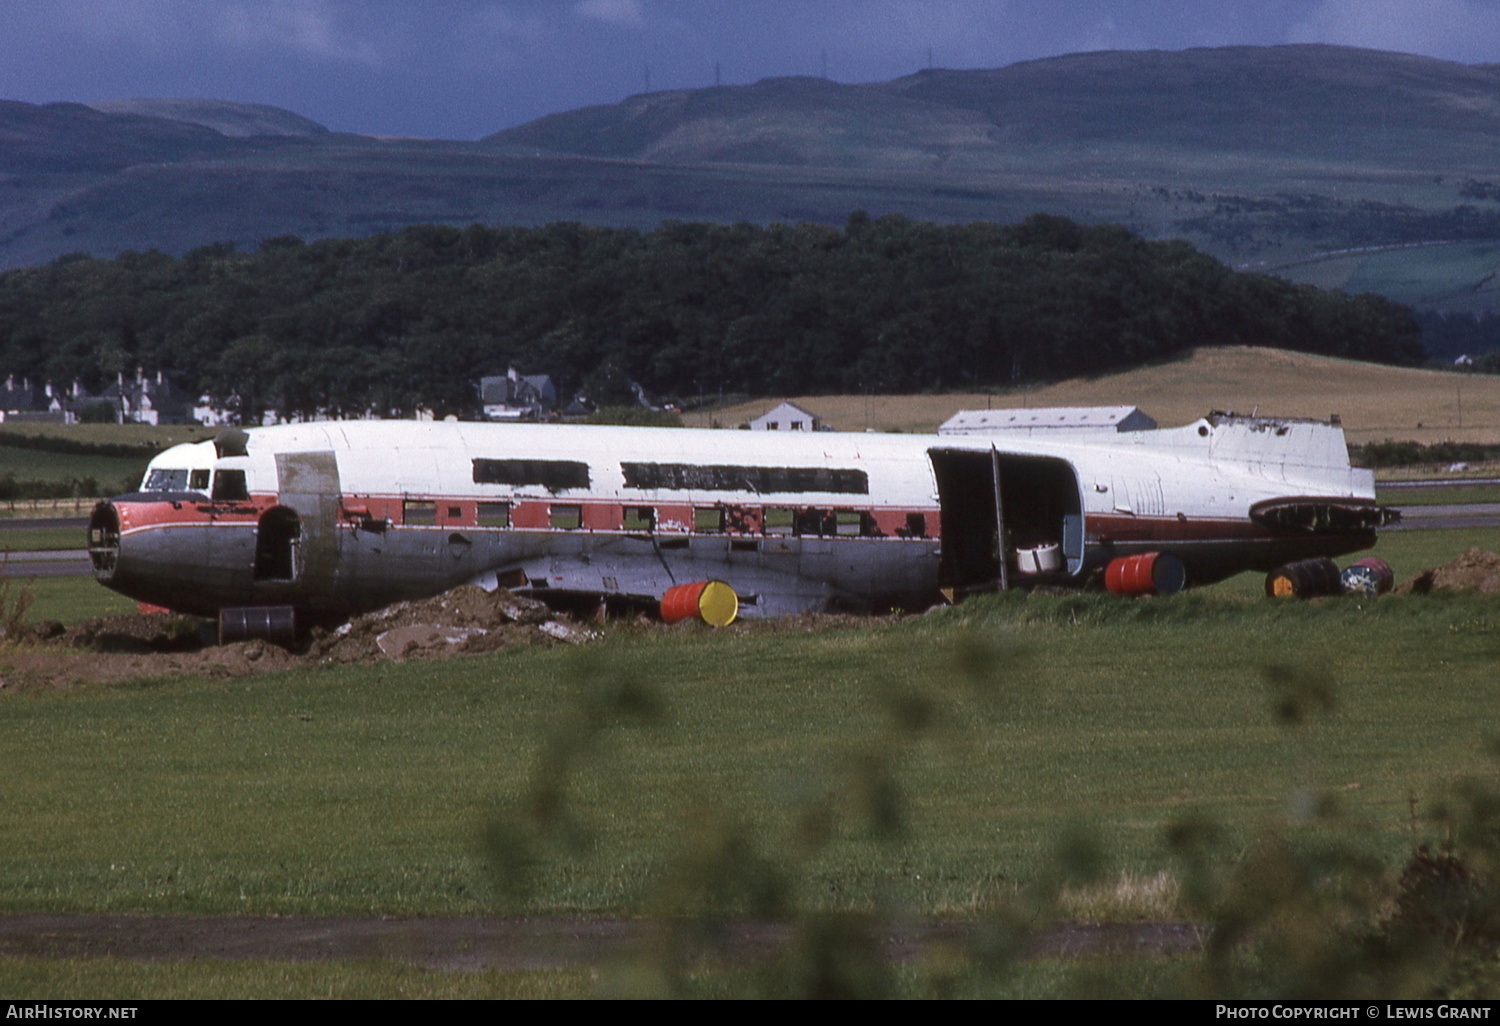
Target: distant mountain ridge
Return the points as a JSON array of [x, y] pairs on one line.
[[1358, 169], [228, 118], [1310, 100]]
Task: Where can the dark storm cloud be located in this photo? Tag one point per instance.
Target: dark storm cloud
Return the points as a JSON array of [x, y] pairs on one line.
[[463, 68]]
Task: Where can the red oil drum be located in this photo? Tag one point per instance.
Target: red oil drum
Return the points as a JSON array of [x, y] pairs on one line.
[[1151, 573], [713, 602]]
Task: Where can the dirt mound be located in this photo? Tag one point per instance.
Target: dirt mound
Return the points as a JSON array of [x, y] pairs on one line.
[[128, 647], [464, 620], [1475, 570], [139, 633]]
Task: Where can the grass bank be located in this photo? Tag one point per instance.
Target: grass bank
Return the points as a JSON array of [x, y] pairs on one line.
[[372, 790]]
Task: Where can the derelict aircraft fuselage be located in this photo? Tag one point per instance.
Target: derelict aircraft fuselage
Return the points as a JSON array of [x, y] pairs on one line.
[[332, 519]]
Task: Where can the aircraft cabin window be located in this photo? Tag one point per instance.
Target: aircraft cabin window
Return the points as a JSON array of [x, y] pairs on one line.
[[566, 518], [419, 513], [815, 522], [198, 480], [494, 514], [229, 486], [778, 520], [638, 518], [851, 521], [166, 481]]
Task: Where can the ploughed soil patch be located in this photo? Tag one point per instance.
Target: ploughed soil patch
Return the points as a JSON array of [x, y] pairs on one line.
[[464, 621], [1474, 570]]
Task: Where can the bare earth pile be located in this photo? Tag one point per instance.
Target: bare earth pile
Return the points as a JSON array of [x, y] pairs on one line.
[[1475, 570], [461, 621], [114, 648]]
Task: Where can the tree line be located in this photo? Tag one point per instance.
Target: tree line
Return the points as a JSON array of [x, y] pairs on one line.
[[411, 319]]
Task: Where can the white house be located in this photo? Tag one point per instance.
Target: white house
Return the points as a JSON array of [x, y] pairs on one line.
[[785, 416]]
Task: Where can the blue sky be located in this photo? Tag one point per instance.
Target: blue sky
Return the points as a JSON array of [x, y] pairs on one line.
[[461, 69]]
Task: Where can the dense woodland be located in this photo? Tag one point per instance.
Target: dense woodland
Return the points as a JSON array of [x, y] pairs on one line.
[[414, 318]]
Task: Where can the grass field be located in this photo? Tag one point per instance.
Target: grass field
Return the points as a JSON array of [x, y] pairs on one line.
[[41, 538], [150, 437], [368, 789], [1445, 496], [202, 979], [110, 472], [1375, 402], [938, 761], [70, 599]]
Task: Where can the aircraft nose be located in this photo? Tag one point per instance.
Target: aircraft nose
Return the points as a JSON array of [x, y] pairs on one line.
[[104, 541]]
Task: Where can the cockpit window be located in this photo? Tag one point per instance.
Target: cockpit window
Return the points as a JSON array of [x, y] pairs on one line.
[[229, 486], [198, 481], [161, 480]]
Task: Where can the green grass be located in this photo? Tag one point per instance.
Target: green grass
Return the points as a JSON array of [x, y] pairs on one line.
[[70, 599], [37, 465], [368, 790], [149, 437], [999, 726], [1452, 495], [1407, 552], [27, 979], [42, 539], [30, 979]]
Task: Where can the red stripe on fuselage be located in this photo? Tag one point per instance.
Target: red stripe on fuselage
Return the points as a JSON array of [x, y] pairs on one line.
[[136, 515], [530, 514]]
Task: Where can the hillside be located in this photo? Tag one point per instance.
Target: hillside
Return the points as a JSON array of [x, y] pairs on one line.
[[1316, 103], [1356, 169], [233, 120], [1375, 402]]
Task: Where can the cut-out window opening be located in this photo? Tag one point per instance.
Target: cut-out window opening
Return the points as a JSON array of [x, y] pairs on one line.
[[638, 518], [708, 520], [814, 523], [852, 521], [419, 513], [553, 475], [760, 480], [566, 518], [779, 520], [494, 514], [198, 480]]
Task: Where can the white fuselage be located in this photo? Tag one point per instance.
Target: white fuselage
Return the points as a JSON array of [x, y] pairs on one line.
[[335, 518]]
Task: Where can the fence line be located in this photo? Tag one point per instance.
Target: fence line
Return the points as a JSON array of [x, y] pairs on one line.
[[72, 504]]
